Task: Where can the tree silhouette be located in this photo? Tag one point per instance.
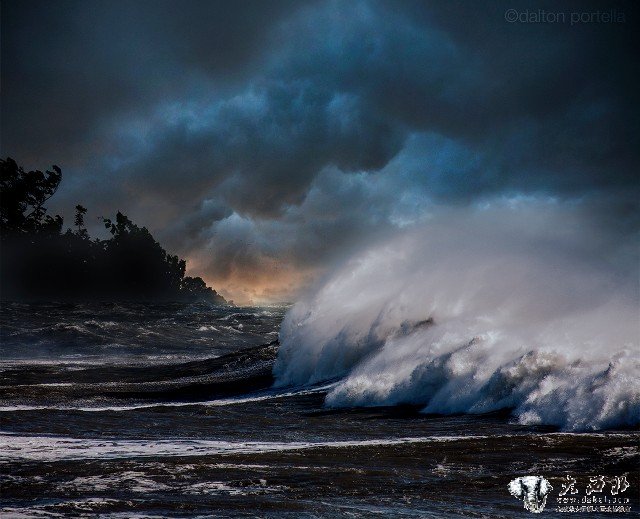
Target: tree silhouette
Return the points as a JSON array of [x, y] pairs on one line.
[[22, 198], [78, 221], [38, 261]]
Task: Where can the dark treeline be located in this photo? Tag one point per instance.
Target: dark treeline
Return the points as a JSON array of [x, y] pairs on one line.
[[40, 261]]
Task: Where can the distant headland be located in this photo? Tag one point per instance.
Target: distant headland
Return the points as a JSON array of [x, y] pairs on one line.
[[40, 261]]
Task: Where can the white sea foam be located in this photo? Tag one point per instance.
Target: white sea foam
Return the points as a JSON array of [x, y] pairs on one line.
[[18, 447], [80, 361], [526, 306], [207, 328], [82, 508], [131, 480], [256, 397], [15, 447]]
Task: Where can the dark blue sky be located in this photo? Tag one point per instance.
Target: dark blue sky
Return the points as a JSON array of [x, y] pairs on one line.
[[264, 140]]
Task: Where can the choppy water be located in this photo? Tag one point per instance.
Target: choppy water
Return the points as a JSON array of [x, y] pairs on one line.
[[170, 411]]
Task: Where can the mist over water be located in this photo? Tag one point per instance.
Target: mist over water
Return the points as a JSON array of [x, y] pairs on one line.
[[525, 305]]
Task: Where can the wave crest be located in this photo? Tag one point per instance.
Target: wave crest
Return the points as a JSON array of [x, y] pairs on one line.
[[502, 308]]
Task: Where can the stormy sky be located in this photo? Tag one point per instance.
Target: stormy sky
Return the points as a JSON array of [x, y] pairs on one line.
[[265, 140]]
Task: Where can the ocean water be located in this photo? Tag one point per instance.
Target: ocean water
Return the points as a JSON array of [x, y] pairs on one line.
[[173, 410]]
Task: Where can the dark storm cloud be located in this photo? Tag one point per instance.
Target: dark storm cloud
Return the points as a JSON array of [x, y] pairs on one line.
[[70, 67], [262, 148], [307, 127], [552, 104]]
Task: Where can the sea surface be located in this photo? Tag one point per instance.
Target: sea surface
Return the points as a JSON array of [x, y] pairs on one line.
[[169, 410]]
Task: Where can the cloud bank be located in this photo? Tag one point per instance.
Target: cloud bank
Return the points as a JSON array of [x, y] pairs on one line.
[[266, 141]]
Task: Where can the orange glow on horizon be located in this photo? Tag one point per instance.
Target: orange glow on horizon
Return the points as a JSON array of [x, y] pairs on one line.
[[275, 282]]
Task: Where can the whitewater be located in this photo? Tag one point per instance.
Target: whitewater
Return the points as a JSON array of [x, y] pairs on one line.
[[527, 306]]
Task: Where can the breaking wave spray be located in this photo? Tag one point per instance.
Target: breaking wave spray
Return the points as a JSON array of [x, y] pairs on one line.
[[522, 306]]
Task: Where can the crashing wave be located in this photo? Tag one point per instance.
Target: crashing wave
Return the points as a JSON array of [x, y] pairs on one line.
[[509, 308]]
